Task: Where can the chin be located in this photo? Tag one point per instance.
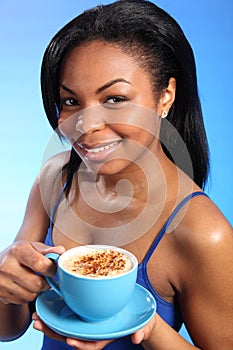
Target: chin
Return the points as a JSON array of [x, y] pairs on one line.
[[111, 167]]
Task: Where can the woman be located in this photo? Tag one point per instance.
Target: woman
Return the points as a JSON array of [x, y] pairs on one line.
[[119, 82]]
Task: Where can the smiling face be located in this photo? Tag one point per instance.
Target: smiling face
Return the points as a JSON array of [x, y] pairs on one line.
[[108, 108]]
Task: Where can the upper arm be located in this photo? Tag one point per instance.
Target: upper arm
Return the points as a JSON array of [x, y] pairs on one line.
[[43, 195], [36, 219], [206, 297]]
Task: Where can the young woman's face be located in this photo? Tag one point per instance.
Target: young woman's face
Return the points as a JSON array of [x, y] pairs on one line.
[[108, 107]]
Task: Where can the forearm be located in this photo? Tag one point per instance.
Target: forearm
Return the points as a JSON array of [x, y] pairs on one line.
[[163, 337], [14, 319]]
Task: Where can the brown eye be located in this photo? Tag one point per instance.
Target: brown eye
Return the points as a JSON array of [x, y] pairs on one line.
[[69, 102], [116, 99]]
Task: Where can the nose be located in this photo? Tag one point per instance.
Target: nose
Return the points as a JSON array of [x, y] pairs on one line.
[[89, 121]]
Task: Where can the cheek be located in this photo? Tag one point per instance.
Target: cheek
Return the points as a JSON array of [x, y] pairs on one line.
[[135, 120], [143, 135]]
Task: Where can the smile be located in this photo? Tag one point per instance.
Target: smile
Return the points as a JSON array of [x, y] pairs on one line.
[[100, 149], [98, 153]]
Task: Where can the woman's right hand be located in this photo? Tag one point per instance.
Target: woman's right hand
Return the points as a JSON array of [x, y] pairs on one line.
[[19, 284]]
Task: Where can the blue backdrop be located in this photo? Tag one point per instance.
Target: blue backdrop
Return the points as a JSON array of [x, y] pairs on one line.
[[26, 28]]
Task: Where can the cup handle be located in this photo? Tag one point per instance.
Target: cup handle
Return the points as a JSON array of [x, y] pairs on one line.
[[50, 280]]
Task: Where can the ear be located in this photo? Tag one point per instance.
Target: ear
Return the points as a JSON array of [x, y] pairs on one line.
[[167, 97]]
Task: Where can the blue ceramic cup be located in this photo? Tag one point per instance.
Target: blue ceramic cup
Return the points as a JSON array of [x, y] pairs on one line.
[[93, 299]]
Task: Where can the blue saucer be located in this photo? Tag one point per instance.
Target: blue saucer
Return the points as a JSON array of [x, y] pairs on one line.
[[53, 311]]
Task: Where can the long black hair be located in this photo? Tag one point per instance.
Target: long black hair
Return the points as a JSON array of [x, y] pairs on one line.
[[146, 31]]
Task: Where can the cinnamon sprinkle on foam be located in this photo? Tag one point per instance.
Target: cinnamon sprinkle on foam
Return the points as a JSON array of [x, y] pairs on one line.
[[100, 263]]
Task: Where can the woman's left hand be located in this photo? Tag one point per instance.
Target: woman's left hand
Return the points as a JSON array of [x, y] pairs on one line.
[[145, 332]]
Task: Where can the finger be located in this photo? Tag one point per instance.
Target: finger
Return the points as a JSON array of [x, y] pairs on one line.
[[41, 327], [33, 283], [144, 332], [15, 294], [35, 316], [19, 285], [12, 299], [87, 345], [14, 272], [28, 256], [137, 337]]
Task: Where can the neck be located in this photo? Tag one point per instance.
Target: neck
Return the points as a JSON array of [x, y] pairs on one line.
[[140, 181]]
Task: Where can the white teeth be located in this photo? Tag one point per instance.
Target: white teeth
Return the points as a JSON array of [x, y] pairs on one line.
[[100, 149]]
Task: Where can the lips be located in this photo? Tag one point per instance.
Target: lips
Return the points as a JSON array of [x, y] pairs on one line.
[[99, 152]]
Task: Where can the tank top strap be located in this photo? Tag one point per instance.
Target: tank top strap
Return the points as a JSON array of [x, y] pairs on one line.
[[168, 222], [53, 211]]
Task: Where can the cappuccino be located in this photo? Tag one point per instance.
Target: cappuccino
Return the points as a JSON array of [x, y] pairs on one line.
[[98, 263], [95, 281]]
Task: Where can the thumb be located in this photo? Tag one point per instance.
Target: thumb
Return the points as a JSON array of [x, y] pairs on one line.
[[137, 337], [45, 249], [48, 267]]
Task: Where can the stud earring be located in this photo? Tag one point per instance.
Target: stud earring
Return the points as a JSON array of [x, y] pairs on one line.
[[164, 114]]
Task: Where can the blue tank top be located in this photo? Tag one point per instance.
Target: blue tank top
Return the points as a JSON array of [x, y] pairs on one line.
[[168, 311]]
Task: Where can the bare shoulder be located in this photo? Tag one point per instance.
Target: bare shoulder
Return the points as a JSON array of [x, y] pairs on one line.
[[203, 225], [203, 242], [54, 165]]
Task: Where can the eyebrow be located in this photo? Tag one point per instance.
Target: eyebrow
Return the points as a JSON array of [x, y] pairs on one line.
[[110, 83], [66, 89], [101, 88]]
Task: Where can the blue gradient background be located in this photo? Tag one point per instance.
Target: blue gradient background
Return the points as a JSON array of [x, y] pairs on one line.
[[25, 30]]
